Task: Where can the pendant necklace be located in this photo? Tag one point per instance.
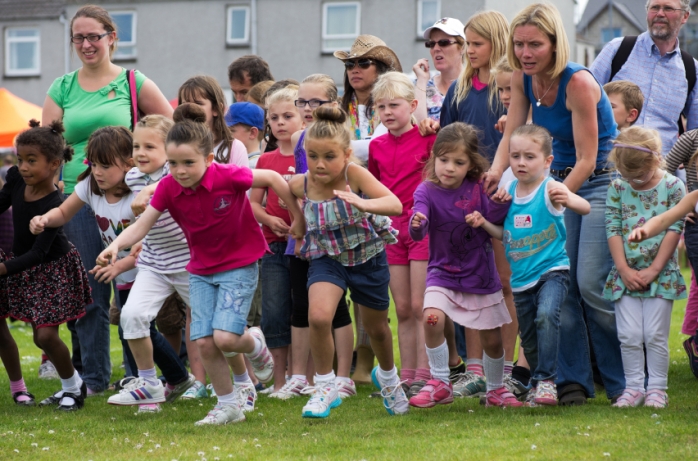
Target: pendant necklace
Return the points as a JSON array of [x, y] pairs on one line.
[[546, 92]]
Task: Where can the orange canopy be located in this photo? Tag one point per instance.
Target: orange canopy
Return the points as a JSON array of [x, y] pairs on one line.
[[15, 114]]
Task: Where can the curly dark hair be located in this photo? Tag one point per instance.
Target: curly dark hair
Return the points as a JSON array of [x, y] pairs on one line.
[[256, 67], [49, 140]]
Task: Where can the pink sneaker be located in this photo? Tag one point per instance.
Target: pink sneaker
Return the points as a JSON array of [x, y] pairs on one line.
[[546, 393], [434, 392], [656, 398], [501, 398], [630, 398]]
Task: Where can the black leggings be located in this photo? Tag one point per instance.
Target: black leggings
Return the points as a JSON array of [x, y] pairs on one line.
[[299, 282]]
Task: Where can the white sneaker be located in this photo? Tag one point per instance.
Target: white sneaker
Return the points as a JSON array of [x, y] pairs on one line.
[[223, 414], [394, 398], [293, 388], [246, 395], [323, 400], [48, 371], [196, 391], [346, 388], [263, 363], [139, 392]]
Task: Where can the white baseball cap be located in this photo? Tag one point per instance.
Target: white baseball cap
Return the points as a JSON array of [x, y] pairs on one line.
[[451, 26]]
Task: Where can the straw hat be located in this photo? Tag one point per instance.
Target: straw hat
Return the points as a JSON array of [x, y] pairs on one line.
[[369, 46]]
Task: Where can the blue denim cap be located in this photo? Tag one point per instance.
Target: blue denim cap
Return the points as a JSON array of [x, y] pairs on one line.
[[246, 113]]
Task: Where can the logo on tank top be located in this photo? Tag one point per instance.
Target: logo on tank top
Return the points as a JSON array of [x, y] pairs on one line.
[[221, 205], [522, 221]]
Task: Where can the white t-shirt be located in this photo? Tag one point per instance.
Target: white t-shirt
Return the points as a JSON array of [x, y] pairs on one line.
[[112, 219]]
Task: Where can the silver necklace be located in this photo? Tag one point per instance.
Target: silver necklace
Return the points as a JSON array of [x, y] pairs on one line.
[[546, 92]]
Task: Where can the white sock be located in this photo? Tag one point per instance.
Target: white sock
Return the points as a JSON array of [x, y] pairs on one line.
[[149, 376], [72, 384], [389, 377], [257, 347], [494, 371], [243, 378], [301, 377], [325, 379], [344, 379], [228, 399], [438, 362]]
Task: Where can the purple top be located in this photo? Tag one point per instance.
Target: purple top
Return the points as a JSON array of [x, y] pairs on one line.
[[301, 167], [460, 257]]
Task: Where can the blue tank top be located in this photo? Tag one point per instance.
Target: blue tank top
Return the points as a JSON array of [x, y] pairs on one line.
[[534, 237], [558, 121]]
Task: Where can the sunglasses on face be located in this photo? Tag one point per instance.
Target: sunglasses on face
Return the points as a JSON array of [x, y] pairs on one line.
[[442, 43], [362, 63]]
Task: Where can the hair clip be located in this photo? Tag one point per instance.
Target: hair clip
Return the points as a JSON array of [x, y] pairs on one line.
[[87, 162], [640, 148]]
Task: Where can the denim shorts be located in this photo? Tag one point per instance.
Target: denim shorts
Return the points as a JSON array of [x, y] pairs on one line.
[[221, 301], [368, 282]]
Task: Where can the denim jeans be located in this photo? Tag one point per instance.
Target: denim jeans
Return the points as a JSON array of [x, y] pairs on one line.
[[165, 357], [585, 306], [90, 333], [538, 311], [277, 302]]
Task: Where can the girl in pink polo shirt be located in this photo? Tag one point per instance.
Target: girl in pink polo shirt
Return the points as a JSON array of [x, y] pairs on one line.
[[397, 159], [209, 202]]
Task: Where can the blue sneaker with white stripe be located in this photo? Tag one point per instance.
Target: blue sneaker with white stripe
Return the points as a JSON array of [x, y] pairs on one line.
[[139, 392], [394, 398]]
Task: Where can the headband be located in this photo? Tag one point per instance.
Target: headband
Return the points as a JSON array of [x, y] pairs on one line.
[[640, 148]]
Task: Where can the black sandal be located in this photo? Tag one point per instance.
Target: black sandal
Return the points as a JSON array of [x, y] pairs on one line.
[[26, 403], [52, 400], [572, 395], [78, 399]]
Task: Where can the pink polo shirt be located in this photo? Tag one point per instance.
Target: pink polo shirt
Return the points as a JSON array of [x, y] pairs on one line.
[[398, 163], [216, 218]]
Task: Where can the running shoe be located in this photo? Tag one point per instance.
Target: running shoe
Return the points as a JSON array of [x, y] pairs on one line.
[[322, 401], [435, 392]]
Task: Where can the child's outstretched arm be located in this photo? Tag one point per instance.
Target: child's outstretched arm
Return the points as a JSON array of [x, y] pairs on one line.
[[270, 178], [561, 196], [381, 201], [475, 219], [105, 274], [58, 216], [660, 223], [131, 235]]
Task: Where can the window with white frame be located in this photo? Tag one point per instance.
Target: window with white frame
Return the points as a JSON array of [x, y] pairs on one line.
[[238, 25], [126, 31], [428, 12], [341, 22], [22, 51]]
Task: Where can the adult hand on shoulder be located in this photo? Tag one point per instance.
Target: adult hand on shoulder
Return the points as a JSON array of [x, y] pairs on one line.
[[37, 224], [429, 126]]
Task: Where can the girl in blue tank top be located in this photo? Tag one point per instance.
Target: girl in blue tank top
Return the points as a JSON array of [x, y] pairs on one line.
[[534, 239]]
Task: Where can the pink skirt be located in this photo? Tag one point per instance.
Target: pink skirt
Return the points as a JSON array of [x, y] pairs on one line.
[[479, 312]]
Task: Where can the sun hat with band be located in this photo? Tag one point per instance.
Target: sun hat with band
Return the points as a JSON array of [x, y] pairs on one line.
[[450, 26], [371, 47]]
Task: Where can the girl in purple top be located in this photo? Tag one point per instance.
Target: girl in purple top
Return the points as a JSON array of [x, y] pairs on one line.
[[462, 280]]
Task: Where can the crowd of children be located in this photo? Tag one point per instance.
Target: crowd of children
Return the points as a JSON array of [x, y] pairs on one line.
[[193, 207]]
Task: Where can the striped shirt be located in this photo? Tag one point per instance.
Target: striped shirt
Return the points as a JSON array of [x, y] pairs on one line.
[[683, 150], [165, 248], [662, 80]]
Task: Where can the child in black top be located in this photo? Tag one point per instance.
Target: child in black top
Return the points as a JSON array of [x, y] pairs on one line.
[[43, 281]]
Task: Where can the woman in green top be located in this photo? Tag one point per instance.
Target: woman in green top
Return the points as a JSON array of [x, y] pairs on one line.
[[94, 96]]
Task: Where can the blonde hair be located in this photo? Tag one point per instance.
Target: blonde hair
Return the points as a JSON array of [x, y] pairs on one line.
[[331, 124], [287, 94], [502, 66], [328, 84], [457, 137], [161, 124], [493, 27], [547, 19], [393, 85], [257, 92], [538, 135], [644, 153]]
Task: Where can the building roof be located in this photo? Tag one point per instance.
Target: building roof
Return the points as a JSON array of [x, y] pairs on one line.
[[633, 10], [31, 9]]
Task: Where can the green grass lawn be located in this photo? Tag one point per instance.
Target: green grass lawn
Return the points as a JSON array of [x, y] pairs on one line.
[[358, 429]]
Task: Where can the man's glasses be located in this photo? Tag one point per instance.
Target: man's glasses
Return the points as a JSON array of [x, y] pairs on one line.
[[362, 63], [442, 43], [313, 103], [655, 9], [92, 38]]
